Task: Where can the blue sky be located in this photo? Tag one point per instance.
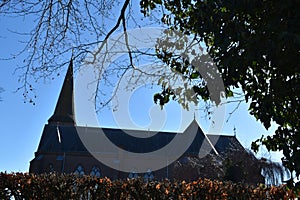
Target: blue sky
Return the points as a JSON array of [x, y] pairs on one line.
[[22, 123]]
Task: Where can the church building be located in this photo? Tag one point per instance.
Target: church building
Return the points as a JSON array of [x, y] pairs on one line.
[[61, 148]]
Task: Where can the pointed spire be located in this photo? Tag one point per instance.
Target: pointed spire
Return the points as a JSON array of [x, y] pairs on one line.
[[64, 110]]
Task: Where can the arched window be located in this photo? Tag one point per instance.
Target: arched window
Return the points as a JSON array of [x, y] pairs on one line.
[[95, 172], [148, 175], [133, 174], [79, 170], [51, 168]]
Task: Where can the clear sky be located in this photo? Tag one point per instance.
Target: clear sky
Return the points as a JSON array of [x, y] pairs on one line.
[[22, 123]]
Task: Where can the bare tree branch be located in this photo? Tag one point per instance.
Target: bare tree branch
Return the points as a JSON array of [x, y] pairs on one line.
[[1, 90]]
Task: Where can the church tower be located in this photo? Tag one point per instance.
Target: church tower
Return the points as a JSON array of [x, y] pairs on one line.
[[60, 148]]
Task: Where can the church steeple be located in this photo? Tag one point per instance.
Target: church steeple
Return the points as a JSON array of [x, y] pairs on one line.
[[64, 111]]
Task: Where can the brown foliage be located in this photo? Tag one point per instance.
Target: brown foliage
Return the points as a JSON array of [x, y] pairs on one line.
[[54, 186]]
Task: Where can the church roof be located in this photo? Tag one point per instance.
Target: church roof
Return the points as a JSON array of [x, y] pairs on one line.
[[224, 142], [66, 138], [63, 138]]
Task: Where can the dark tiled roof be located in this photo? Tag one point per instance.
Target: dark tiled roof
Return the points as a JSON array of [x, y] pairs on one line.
[[65, 138], [222, 143], [136, 144], [69, 139], [200, 144]]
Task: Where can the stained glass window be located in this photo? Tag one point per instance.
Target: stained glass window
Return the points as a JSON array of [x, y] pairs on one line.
[[79, 170], [148, 175], [95, 172]]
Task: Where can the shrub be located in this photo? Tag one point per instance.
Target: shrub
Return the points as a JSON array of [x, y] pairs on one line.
[[70, 186]]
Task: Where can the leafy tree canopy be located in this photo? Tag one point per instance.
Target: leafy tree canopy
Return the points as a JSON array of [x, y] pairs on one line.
[[256, 47]]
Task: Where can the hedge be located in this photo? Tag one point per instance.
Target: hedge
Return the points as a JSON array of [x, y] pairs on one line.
[[70, 186]]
